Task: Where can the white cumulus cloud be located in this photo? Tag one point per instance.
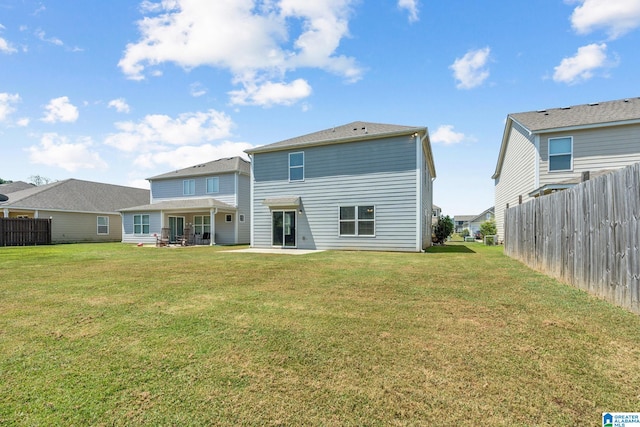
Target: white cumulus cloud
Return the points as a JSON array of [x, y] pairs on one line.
[[120, 105], [470, 71], [582, 65], [271, 93], [56, 150], [446, 135], [5, 46], [411, 6], [60, 110], [616, 17], [157, 131], [6, 104], [186, 156], [256, 41]]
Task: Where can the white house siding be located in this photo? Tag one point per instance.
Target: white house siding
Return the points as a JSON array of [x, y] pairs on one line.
[[73, 227], [427, 204], [381, 173], [171, 189], [593, 150], [517, 177], [127, 228]]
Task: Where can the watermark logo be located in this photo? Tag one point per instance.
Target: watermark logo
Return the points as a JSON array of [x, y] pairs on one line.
[[621, 419]]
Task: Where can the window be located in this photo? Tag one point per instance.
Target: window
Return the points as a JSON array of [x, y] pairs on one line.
[[241, 217], [201, 224], [228, 218], [296, 166], [189, 187], [213, 185], [141, 224], [103, 225], [560, 154], [357, 221]]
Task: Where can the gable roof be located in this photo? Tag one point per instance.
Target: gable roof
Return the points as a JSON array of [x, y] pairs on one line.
[[585, 116], [12, 187], [226, 165], [75, 195], [483, 214], [355, 131]]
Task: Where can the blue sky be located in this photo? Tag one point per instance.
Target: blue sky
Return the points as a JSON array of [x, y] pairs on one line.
[[118, 91]]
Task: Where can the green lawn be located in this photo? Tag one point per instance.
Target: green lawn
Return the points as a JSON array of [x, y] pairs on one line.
[[111, 334]]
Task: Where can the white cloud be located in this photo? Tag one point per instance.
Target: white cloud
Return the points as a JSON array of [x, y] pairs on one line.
[[186, 156], [411, 6], [43, 36], [56, 150], [23, 122], [6, 104], [120, 105], [271, 93], [5, 46], [470, 71], [197, 89], [255, 41], [616, 17], [581, 66], [447, 136], [60, 110], [156, 131]]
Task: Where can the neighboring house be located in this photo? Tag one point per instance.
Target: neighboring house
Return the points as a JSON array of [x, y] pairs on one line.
[[460, 222], [12, 187], [435, 214], [360, 186], [550, 150], [475, 222], [81, 211], [207, 203]]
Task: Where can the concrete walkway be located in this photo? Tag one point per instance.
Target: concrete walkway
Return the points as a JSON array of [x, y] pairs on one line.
[[274, 251]]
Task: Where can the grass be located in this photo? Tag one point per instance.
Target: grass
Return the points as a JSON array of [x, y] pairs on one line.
[[111, 334]]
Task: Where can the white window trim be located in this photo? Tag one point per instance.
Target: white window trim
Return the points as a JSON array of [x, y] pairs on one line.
[[227, 216], [549, 155], [142, 233], [98, 225], [297, 167], [207, 184], [357, 220], [241, 217], [184, 193]]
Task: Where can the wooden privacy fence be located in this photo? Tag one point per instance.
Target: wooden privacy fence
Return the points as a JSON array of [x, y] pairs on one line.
[[587, 236], [25, 232]]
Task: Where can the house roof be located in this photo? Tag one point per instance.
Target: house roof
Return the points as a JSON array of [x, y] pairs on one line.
[[227, 165], [75, 195], [355, 131], [585, 116], [482, 215], [567, 183], [12, 187], [351, 132], [463, 218], [182, 205]]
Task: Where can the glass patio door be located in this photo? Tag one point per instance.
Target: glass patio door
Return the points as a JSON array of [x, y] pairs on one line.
[[176, 227], [284, 229]]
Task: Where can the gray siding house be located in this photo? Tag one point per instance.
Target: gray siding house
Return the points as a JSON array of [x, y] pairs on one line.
[[360, 186], [204, 204], [80, 211], [550, 150]]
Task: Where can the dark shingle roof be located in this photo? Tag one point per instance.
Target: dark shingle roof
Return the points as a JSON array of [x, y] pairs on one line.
[[231, 164], [354, 131], [75, 195], [580, 115]]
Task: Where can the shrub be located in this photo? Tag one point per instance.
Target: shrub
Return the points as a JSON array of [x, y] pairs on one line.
[[442, 229]]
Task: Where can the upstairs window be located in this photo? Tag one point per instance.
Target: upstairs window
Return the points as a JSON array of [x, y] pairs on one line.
[[213, 185], [560, 154], [189, 187], [296, 166]]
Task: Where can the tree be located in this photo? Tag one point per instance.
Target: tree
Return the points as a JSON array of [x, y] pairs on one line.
[[39, 180], [488, 228], [5, 181], [442, 229]]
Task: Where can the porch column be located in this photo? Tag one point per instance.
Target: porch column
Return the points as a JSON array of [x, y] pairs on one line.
[[212, 213]]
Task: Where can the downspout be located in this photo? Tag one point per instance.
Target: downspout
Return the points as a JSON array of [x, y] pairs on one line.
[[419, 208], [252, 217], [237, 218]]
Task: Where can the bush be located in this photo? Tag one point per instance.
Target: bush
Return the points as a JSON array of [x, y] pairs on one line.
[[443, 229], [488, 228]]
